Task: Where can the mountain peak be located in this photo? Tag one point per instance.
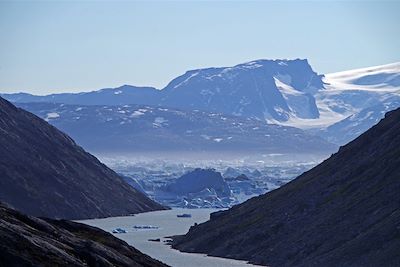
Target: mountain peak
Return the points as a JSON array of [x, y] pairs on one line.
[[249, 89], [273, 90]]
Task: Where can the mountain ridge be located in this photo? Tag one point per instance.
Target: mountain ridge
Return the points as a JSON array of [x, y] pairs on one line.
[[44, 173], [30, 241], [342, 212], [149, 128], [239, 76], [283, 92]]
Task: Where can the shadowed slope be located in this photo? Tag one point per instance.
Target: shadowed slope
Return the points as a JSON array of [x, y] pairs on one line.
[[44, 173], [29, 241], [344, 212]]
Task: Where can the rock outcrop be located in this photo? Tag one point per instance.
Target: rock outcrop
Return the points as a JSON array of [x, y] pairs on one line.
[[30, 241]]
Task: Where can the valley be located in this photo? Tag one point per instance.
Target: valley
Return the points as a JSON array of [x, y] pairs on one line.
[[215, 142], [244, 177], [200, 133], [169, 224]]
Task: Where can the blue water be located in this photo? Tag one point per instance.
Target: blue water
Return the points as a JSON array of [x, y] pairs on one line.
[[168, 225]]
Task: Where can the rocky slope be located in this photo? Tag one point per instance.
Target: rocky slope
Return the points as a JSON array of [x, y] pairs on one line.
[[44, 173], [134, 128], [30, 241], [344, 212]]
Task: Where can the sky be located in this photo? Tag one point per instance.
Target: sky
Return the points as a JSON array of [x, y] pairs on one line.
[[72, 46]]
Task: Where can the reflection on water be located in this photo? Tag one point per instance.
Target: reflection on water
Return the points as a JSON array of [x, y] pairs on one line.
[[168, 224]]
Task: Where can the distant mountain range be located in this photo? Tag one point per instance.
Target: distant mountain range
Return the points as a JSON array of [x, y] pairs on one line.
[[343, 212], [138, 128], [262, 89], [285, 92], [44, 173]]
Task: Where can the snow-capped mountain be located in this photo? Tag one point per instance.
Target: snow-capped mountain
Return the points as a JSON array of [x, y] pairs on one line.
[[354, 125], [264, 89], [138, 128], [283, 92], [358, 99]]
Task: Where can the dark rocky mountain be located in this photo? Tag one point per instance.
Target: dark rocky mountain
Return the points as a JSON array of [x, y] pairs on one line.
[[30, 241], [44, 173], [343, 212], [134, 128]]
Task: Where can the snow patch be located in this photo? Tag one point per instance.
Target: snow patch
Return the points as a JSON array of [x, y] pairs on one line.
[[159, 122], [52, 115], [186, 80], [136, 114], [251, 65], [205, 136], [284, 78]]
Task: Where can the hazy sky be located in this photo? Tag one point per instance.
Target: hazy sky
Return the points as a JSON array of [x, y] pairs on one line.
[[56, 46]]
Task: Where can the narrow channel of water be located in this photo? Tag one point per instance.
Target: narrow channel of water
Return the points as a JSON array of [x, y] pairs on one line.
[[168, 224]]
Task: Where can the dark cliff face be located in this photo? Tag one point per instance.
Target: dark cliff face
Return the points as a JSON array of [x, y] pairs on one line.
[[30, 241], [44, 173], [344, 212]]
